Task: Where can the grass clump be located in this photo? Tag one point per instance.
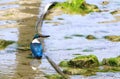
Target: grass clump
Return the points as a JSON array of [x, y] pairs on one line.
[[5, 43]]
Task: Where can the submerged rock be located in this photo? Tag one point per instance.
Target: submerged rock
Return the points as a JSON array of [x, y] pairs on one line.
[[84, 61], [91, 37], [105, 3], [113, 38], [112, 61], [89, 65], [5, 43]]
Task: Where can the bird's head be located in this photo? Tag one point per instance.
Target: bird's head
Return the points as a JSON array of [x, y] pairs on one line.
[[39, 35], [36, 36]]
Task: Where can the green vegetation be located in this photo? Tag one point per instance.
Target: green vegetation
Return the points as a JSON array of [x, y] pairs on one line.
[[89, 65], [84, 61], [76, 6], [81, 65], [64, 64], [4, 43], [113, 38], [54, 76], [114, 12], [79, 71], [112, 61]]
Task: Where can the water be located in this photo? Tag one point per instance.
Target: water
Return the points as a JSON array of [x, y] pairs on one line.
[[6, 1], [15, 64], [5, 7], [98, 24]]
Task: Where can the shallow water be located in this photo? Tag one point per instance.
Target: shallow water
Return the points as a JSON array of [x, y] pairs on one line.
[[5, 7], [59, 48], [15, 64], [7, 1], [8, 55]]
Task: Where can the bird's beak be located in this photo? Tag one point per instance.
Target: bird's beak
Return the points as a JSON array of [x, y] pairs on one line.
[[44, 36]]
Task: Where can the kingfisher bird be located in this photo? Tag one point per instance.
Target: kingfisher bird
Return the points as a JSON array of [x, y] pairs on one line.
[[35, 45]]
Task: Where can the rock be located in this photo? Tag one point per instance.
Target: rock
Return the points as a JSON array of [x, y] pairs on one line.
[[105, 2], [74, 71], [113, 38], [112, 61], [91, 37], [79, 71], [87, 61], [115, 12], [5, 43]]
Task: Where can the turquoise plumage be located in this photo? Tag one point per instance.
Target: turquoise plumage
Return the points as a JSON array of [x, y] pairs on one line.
[[36, 47]]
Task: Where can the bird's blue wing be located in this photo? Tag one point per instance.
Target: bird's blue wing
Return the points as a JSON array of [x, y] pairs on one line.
[[36, 49]]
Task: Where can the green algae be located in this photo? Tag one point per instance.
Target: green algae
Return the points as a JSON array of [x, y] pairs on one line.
[[5, 43], [81, 65], [76, 7], [112, 61], [78, 35], [79, 71], [113, 38], [64, 64], [84, 61], [54, 76], [80, 61], [88, 65]]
